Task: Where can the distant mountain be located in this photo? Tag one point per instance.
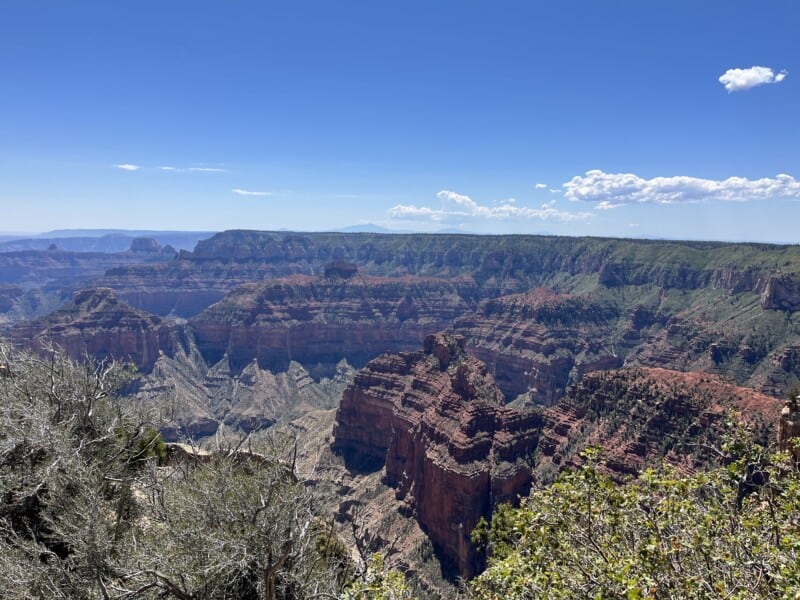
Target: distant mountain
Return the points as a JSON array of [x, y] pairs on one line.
[[100, 240]]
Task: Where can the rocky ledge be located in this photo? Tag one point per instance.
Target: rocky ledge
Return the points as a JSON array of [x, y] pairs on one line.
[[317, 321], [451, 450], [640, 416], [436, 422], [98, 324]]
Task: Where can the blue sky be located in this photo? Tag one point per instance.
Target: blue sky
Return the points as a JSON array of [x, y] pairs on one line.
[[582, 118]]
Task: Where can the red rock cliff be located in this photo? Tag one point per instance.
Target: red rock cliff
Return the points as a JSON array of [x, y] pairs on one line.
[[451, 450], [317, 321], [540, 342], [99, 324]]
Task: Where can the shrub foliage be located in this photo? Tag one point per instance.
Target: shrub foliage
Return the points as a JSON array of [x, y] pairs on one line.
[[733, 532], [89, 510]]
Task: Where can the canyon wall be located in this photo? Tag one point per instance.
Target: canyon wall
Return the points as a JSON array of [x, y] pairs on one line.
[[435, 422], [98, 324], [317, 321], [451, 450]]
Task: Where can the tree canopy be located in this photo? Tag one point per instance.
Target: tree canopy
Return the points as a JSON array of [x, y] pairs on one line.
[[89, 509], [732, 532]]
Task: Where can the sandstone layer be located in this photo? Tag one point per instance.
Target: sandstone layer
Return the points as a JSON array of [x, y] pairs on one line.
[[451, 450], [540, 342], [98, 324], [435, 421], [317, 321]]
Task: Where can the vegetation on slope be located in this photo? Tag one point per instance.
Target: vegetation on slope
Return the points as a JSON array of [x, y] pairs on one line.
[[89, 509], [92, 507], [733, 532]]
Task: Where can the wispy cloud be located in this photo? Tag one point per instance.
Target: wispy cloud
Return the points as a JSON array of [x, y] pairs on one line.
[[242, 192], [173, 169], [540, 186], [611, 190], [456, 206], [738, 80]]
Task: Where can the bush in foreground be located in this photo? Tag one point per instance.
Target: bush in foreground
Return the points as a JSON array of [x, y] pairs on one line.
[[733, 532]]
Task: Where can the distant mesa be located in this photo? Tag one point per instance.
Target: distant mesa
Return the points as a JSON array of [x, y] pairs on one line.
[[144, 244]]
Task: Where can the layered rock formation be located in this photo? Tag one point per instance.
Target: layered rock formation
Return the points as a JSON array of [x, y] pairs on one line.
[[639, 416], [436, 422], [540, 342], [658, 303], [499, 264], [320, 320], [48, 278], [451, 450], [195, 399], [98, 324]]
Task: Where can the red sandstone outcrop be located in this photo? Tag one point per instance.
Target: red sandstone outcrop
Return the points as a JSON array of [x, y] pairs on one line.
[[320, 320], [96, 323], [540, 342], [638, 416], [451, 449]]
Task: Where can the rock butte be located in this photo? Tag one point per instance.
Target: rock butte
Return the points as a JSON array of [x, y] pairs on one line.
[[436, 422]]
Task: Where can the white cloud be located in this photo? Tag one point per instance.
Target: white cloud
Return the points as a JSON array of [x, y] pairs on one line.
[[128, 167], [540, 186], [242, 192], [737, 80], [552, 191], [172, 169], [611, 190], [458, 206]]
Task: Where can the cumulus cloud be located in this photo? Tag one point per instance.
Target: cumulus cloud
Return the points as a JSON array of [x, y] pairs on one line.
[[540, 186], [242, 192], [737, 80], [610, 190], [128, 167], [459, 206]]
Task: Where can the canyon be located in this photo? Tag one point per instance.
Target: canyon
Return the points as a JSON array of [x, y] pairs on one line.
[[460, 370], [437, 424]]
